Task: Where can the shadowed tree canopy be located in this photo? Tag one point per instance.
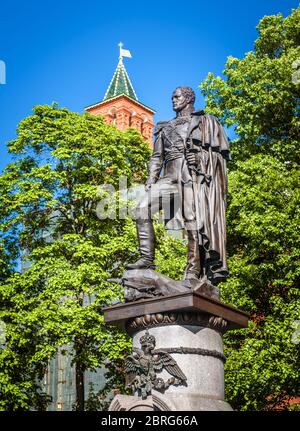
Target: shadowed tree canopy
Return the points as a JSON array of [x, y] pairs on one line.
[[259, 98], [50, 230]]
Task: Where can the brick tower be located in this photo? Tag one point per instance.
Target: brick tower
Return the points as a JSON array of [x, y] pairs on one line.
[[120, 105]]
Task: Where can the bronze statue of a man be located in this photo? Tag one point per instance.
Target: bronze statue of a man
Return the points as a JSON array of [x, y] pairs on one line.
[[187, 171]]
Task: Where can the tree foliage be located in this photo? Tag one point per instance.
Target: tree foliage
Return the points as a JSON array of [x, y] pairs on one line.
[[48, 218], [48, 202], [259, 98]]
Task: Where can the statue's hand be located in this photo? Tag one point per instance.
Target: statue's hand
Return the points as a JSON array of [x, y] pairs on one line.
[[191, 159]]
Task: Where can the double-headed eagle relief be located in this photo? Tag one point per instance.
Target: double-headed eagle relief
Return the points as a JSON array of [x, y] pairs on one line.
[[142, 366]]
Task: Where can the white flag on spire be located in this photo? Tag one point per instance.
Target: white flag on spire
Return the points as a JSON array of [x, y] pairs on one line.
[[125, 53]]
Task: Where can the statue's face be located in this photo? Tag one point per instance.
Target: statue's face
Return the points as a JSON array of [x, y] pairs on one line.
[[179, 100]]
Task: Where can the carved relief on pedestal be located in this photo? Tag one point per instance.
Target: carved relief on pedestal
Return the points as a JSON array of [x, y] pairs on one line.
[[177, 318], [144, 364]]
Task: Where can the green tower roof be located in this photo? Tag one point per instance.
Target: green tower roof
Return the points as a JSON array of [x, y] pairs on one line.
[[120, 84]]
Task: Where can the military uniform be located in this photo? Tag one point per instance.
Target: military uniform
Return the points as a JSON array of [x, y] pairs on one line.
[[172, 189]]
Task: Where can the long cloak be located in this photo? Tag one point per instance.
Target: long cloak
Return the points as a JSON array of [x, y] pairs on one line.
[[208, 136]]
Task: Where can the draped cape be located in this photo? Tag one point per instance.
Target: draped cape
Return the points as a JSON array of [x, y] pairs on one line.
[[207, 135]]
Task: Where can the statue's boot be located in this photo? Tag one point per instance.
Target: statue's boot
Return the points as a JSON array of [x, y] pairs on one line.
[[193, 268], [146, 238]]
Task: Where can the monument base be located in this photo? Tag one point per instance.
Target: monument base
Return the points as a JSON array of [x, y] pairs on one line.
[[159, 402], [178, 339]]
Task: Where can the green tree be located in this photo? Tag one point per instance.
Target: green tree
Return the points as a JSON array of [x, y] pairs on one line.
[[48, 219], [51, 188], [259, 98]]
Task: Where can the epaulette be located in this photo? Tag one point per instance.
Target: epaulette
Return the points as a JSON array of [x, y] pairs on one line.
[[159, 126], [198, 112]]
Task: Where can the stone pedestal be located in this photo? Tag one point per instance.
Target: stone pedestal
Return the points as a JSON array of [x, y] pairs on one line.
[[188, 327]]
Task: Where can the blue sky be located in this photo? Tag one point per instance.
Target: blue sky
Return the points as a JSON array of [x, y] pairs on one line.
[[67, 51]]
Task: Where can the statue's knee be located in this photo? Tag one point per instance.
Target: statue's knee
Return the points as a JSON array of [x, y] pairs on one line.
[[142, 210]]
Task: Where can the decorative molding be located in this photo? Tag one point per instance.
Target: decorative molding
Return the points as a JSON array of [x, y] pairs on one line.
[[195, 351], [116, 98], [181, 318]]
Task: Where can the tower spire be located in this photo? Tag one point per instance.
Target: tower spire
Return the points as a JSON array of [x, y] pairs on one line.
[[120, 105], [120, 83]]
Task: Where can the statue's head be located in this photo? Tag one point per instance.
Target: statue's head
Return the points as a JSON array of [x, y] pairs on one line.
[[147, 342], [182, 97]]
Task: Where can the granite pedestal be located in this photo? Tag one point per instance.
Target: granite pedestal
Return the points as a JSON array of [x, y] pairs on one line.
[[189, 327]]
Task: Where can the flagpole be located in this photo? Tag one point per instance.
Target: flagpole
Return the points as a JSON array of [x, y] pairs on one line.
[[120, 46]]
